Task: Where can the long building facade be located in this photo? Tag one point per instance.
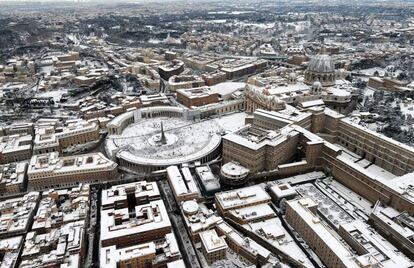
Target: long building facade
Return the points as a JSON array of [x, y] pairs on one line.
[[47, 171], [369, 163]]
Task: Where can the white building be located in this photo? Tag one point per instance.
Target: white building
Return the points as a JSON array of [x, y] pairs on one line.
[[58, 207], [12, 178], [198, 218], [17, 214], [240, 198], [121, 228], [117, 196], [10, 250], [15, 148], [158, 253], [62, 247], [50, 139], [301, 215], [48, 171], [182, 183], [214, 247]]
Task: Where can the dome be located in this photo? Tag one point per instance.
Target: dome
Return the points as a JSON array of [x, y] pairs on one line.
[[317, 85], [190, 207], [322, 63], [321, 68], [232, 173], [292, 78]]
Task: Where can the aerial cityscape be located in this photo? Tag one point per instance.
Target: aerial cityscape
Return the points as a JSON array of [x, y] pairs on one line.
[[206, 134]]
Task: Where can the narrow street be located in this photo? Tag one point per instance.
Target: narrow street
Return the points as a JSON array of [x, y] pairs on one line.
[[186, 246]]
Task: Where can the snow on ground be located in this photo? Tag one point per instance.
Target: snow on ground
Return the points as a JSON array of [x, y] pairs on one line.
[[369, 92], [227, 88], [371, 71], [407, 108], [189, 137], [55, 94], [231, 122], [46, 69], [258, 25]]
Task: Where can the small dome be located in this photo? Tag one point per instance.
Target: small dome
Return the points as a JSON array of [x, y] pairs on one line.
[[322, 63], [190, 207], [316, 85]]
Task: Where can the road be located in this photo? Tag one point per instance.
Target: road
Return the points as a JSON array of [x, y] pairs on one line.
[[187, 248], [92, 232], [163, 88]]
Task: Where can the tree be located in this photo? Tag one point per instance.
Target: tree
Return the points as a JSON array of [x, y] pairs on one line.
[[402, 76]]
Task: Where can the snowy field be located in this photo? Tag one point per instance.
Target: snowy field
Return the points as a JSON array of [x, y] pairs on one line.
[[55, 94], [231, 122], [188, 137]]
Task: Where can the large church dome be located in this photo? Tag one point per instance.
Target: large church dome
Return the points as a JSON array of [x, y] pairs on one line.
[[321, 68], [321, 64]]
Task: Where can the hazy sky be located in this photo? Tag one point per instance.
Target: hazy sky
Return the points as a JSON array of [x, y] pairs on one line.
[[143, 1]]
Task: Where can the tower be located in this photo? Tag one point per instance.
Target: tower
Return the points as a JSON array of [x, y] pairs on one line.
[[163, 139]]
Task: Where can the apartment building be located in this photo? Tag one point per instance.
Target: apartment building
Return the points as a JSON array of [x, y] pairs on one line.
[[301, 215], [25, 207], [12, 178], [52, 139], [125, 227], [154, 254], [214, 247], [15, 148], [241, 198], [197, 96], [141, 192], [258, 149], [183, 184], [48, 171]]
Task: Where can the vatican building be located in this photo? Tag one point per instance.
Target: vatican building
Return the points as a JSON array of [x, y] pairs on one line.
[[319, 85]]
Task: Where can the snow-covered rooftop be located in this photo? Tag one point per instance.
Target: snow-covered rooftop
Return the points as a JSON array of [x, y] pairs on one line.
[[242, 197]]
